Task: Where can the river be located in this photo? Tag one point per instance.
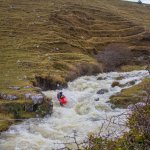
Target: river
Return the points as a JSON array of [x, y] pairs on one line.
[[85, 113]]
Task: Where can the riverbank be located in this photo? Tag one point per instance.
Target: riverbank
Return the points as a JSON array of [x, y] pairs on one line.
[[87, 106], [42, 45]]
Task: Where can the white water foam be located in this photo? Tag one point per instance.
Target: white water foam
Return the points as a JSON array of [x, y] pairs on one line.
[[82, 114]]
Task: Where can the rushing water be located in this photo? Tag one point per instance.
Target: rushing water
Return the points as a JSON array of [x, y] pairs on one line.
[[82, 114]]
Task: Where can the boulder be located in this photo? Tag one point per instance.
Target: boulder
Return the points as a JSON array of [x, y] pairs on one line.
[[115, 83], [101, 78], [96, 99], [37, 99], [120, 78], [102, 91]]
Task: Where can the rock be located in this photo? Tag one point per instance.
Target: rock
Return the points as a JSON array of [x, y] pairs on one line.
[[8, 97], [18, 61], [102, 91], [56, 49], [101, 78], [28, 87], [131, 107], [96, 99], [28, 96], [14, 87], [37, 99], [132, 82], [137, 105], [128, 83], [12, 97], [120, 78], [140, 104], [115, 83]]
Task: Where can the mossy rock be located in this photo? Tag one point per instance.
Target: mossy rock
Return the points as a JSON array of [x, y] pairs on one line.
[[44, 109], [131, 95]]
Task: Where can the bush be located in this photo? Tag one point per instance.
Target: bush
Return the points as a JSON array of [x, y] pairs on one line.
[[114, 56]]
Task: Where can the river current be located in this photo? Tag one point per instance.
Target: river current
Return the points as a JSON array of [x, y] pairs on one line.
[[85, 113]]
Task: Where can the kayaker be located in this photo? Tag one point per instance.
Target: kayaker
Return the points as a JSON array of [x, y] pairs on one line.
[[62, 99]]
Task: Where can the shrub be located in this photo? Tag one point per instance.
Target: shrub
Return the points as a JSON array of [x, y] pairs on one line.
[[113, 56]]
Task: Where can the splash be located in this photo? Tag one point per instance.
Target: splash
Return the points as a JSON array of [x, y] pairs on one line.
[[85, 113]]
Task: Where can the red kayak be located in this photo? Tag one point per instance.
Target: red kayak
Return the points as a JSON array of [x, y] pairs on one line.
[[63, 100]]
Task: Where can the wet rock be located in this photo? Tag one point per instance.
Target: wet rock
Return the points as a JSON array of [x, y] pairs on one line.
[[115, 83], [128, 83], [101, 78], [120, 78], [14, 87], [94, 119], [132, 82], [96, 99], [37, 99], [102, 91]]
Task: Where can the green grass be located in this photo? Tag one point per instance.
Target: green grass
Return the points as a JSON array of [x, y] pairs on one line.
[[31, 31], [131, 95], [5, 121], [128, 68]]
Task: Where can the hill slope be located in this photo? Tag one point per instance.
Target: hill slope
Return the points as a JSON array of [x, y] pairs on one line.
[[43, 42]]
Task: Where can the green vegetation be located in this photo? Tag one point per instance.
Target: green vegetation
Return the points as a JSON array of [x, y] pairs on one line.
[[48, 41], [137, 138], [131, 95], [4, 121], [128, 68]]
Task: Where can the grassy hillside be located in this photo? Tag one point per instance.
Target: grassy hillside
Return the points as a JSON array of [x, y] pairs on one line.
[[46, 41]]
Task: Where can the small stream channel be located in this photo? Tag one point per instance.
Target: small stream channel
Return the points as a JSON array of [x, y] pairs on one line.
[[85, 113]]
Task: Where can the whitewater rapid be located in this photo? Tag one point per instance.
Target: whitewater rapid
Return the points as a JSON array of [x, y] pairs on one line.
[[85, 113]]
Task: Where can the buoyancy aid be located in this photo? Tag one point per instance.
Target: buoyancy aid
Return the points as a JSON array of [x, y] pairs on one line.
[[63, 100]]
